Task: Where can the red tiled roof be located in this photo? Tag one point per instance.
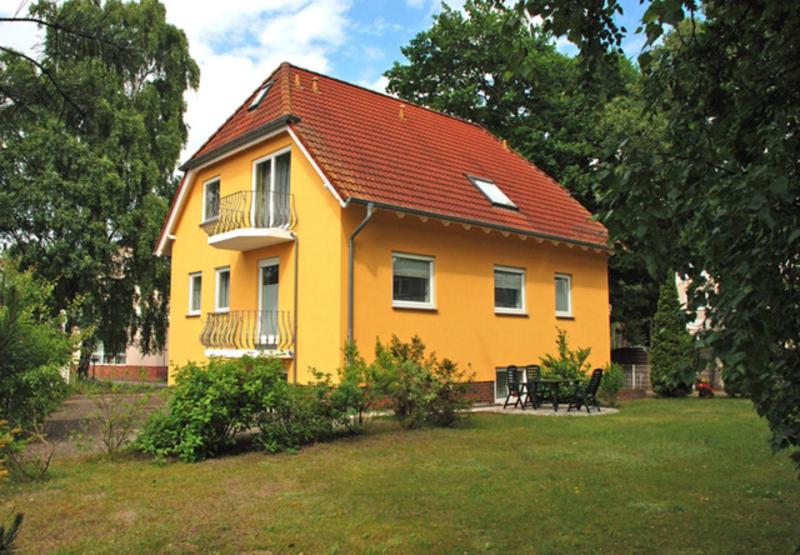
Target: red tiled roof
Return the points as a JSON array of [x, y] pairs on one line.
[[417, 161]]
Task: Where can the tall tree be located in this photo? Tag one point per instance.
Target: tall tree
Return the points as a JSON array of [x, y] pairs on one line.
[[671, 355], [90, 132], [722, 201], [465, 65]]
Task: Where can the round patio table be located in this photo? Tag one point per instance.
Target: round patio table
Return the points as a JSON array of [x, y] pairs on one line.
[[554, 385]]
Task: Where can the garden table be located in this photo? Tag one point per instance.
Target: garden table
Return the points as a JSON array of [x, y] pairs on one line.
[[553, 385]]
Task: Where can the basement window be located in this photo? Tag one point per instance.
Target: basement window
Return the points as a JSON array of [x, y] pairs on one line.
[[262, 92], [492, 192]]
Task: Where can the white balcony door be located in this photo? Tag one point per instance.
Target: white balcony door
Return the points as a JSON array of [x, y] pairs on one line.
[[271, 192], [268, 303]]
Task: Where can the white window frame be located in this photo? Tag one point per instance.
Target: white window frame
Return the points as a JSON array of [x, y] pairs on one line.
[[192, 276], [561, 313], [493, 192], [217, 272], [511, 270], [430, 305], [271, 157], [211, 181]]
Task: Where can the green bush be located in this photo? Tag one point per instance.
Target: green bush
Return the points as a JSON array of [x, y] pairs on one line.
[[612, 382], [209, 405], [355, 395], [420, 391], [296, 415], [569, 364], [33, 347], [672, 356], [734, 382]]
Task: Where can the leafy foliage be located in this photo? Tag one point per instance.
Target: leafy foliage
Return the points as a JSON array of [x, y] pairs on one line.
[[209, 405], [734, 381], [8, 536], [32, 348], [672, 368], [115, 419], [91, 130], [721, 203], [421, 390], [354, 395], [569, 364], [613, 380]]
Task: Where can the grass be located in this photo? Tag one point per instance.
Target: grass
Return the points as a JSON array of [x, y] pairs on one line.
[[674, 476]]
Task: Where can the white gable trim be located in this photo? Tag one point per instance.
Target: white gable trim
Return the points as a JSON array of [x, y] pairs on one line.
[[316, 167]]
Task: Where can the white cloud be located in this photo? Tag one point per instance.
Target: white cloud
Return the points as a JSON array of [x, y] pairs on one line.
[[237, 43], [378, 84]]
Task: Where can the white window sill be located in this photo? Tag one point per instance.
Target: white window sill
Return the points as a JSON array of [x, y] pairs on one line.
[[210, 220], [565, 315], [193, 314], [222, 311], [414, 306], [511, 311]]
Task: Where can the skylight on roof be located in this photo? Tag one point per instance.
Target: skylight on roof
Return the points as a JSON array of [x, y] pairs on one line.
[[262, 92], [495, 195]]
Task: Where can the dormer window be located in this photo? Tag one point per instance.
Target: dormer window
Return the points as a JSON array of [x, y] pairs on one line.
[[492, 192], [262, 92]]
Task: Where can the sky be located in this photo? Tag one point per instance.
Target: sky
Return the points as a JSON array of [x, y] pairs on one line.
[[237, 43]]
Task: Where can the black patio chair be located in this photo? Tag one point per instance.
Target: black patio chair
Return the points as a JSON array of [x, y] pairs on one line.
[[586, 395], [532, 394], [514, 389]]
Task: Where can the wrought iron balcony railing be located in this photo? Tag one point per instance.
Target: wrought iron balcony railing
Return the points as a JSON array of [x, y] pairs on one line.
[[245, 209], [252, 330]]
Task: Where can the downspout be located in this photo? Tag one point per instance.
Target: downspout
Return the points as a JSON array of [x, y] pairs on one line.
[[350, 263], [296, 270]]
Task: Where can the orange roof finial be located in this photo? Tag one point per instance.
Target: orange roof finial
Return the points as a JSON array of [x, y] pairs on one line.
[[315, 84], [297, 81], [402, 111]]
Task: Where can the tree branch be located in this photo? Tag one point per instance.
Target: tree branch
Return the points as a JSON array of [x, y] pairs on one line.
[[63, 29], [46, 73]]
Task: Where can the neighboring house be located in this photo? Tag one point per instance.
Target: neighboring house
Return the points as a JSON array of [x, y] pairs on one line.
[[130, 365], [321, 211]]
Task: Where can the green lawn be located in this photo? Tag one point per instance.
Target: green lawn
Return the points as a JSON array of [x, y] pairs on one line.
[[685, 476]]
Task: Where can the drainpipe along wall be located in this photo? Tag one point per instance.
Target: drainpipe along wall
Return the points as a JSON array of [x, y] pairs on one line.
[[350, 263], [296, 282]]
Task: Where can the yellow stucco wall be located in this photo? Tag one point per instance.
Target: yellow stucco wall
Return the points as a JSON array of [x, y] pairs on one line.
[[319, 230], [464, 326]]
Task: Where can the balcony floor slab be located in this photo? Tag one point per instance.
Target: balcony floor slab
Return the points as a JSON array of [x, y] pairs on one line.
[[250, 238]]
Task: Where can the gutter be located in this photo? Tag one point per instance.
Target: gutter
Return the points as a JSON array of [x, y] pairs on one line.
[[456, 219], [350, 263], [296, 281]]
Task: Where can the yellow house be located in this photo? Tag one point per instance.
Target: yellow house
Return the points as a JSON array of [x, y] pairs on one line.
[[321, 211]]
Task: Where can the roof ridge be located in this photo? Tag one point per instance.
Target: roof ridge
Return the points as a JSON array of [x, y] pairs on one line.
[[387, 95], [236, 111]]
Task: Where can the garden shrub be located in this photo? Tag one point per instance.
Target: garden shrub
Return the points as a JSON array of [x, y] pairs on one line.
[[613, 380], [672, 356], [420, 391], [569, 364], [33, 347], [355, 395], [209, 405], [296, 415]]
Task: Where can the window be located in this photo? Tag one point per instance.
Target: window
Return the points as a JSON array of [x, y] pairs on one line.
[[509, 290], [412, 285], [492, 192], [262, 92], [563, 295], [195, 293], [271, 190], [223, 294], [211, 200]]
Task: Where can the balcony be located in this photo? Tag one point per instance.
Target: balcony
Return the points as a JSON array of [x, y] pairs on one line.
[[249, 220], [249, 332]]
